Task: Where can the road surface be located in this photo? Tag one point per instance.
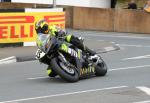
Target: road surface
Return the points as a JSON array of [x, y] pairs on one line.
[[127, 80]]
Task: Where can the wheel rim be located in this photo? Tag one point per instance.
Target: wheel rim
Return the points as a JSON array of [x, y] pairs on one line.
[[67, 69]]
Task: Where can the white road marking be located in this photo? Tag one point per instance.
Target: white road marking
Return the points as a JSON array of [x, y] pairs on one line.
[[64, 94], [125, 68], [139, 46], [5, 59], [116, 69], [109, 48], [143, 101], [118, 36], [144, 89], [95, 40], [8, 60], [37, 78], [138, 57]]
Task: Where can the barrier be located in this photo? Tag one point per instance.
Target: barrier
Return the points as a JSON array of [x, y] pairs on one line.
[[135, 21], [19, 27], [119, 20], [69, 17], [93, 18]]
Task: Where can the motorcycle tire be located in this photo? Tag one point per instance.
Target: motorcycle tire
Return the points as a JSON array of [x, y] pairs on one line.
[[55, 63], [101, 69]]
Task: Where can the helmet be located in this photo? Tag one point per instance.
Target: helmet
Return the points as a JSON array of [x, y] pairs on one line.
[[42, 26]]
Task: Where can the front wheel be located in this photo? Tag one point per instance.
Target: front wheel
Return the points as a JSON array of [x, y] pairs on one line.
[[101, 69], [68, 73]]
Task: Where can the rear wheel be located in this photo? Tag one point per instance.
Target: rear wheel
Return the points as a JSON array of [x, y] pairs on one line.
[[67, 72], [101, 69]]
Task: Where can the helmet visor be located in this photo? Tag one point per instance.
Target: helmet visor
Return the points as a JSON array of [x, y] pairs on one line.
[[45, 29]]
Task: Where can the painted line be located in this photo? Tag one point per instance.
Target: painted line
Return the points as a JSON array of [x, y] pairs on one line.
[[95, 40], [109, 48], [106, 50], [118, 36], [138, 46], [5, 59], [38, 78], [144, 89], [64, 94], [148, 101], [125, 68], [138, 57], [8, 60], [117, 69]]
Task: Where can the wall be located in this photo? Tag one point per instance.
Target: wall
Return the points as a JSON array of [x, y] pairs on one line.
[[136, 21], [119, 20], [93, 18], [69, 17]]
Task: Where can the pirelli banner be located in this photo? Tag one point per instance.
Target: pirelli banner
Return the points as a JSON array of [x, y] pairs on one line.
[[19, 27]]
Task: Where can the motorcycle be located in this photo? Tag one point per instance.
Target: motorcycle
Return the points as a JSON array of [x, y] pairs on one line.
[[74, 64]]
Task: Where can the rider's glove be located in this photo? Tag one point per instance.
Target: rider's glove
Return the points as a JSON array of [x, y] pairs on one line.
[[61, 33]]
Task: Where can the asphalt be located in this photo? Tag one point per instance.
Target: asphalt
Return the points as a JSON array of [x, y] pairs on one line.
[[125, 82], [28, 53]]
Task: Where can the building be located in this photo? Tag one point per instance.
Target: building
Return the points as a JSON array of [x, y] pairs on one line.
[[82, 3]]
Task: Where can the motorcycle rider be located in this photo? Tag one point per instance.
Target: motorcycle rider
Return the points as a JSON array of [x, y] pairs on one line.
[[44, 30]]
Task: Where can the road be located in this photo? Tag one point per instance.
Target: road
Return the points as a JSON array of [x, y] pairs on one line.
[[127, 80]]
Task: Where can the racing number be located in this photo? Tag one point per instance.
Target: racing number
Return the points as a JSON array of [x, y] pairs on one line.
[[38, 53]]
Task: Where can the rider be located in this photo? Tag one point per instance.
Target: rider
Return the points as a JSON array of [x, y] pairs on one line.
[[42, 29]]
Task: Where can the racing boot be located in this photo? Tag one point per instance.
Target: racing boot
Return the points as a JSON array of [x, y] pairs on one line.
[[50, 72], [88, 52], [77, 42], [91, 52]]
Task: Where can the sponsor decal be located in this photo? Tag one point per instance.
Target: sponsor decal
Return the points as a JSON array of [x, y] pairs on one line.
[[84, 71], [19, 27]]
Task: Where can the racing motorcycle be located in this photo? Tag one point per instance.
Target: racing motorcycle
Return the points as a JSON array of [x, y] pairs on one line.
[[74, 64]]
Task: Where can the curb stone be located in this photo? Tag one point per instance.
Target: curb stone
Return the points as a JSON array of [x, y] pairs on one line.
[[26, 58], [14, 59]]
